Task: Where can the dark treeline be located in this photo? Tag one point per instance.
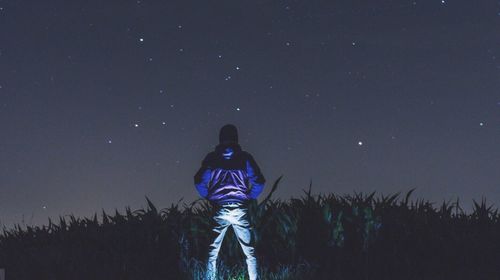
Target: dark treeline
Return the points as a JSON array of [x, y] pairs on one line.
[[313, 237]]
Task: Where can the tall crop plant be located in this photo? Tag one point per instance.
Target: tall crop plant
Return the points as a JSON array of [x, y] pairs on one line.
[[311, 237]]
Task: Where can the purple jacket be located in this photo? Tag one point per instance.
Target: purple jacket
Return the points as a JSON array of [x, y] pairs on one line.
[[226, 175]]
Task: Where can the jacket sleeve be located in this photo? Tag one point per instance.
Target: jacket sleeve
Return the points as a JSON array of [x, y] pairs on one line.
[[202, 177], [255, 177]]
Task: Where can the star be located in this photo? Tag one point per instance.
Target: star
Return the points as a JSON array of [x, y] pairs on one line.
[[141, 39], [136, 125], [481, 124], [238, 109], [109, 141], [360, 143]]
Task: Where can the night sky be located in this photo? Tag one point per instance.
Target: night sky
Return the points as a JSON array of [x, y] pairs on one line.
[[105, 102]]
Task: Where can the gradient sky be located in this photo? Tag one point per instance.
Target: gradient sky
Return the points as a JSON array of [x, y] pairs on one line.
[[105, 102]]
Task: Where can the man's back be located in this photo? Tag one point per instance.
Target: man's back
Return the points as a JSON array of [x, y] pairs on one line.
[[226, 174]]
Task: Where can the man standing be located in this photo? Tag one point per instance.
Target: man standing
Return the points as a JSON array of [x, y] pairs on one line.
[[224, 179]]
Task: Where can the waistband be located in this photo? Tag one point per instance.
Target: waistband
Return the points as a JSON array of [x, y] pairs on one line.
[[231, 204]]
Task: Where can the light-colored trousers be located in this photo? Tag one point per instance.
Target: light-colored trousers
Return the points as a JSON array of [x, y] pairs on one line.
[[235, 215]]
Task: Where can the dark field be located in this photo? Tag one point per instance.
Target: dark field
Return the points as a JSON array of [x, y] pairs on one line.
[[312, 237]]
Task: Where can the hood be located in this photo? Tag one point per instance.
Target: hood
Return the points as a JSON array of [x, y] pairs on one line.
[[228, 134]]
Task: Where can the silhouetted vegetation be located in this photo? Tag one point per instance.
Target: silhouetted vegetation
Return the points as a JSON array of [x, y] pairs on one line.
[[313, 237]]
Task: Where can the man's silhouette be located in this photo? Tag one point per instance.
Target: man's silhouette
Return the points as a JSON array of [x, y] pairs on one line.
[[229, 177]]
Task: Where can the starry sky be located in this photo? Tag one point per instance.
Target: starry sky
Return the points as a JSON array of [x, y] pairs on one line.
[[105, 102]]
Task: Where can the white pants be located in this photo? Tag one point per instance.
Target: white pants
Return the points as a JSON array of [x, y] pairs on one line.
[[235, 215]]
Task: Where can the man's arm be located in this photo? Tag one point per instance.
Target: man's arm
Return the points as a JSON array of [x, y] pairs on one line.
[[255, 177], [202, 177]]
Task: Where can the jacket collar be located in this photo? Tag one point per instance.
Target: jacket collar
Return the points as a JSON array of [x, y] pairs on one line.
[[221, 147]]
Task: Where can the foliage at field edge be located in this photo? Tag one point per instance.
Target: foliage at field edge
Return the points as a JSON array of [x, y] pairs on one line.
[[358, 236]]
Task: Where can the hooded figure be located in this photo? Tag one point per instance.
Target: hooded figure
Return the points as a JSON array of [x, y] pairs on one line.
[[227, 172], [229, 177]]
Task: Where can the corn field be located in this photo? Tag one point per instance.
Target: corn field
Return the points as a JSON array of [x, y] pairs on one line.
[[358, 236]]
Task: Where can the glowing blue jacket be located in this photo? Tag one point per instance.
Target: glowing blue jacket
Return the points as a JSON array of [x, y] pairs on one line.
[[229, 174]]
